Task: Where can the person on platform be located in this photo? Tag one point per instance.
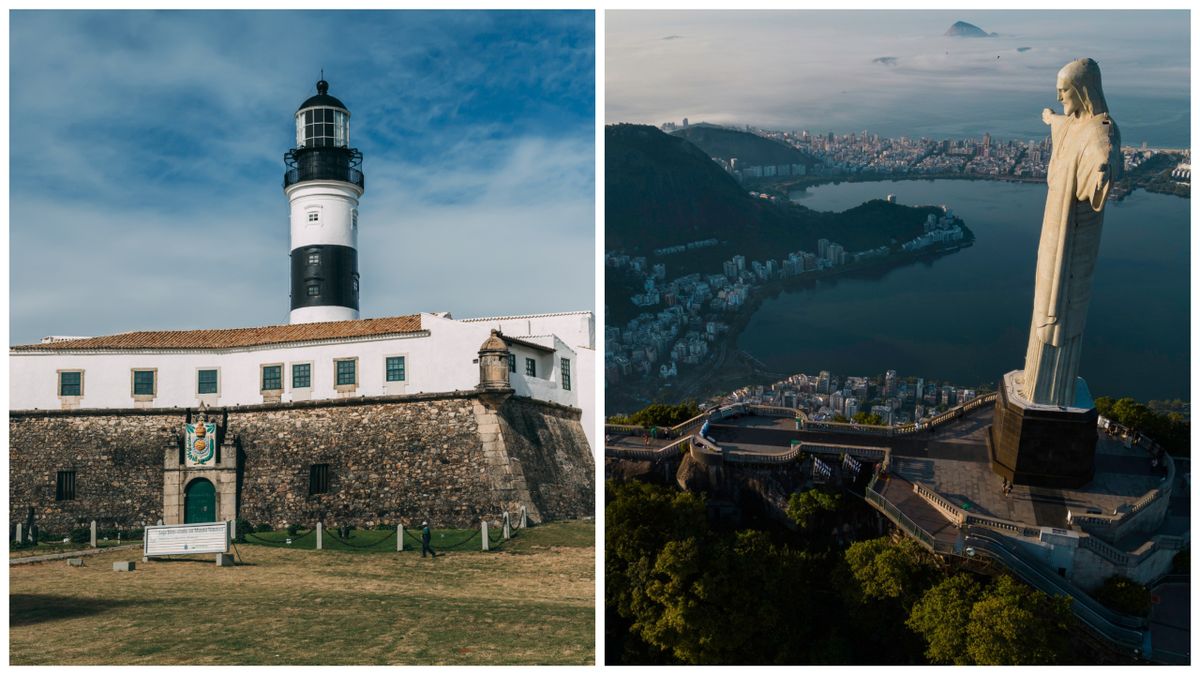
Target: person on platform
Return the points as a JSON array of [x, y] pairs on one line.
[[425, 536]]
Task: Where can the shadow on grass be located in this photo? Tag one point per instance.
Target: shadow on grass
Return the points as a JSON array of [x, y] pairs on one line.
[[26, 609]]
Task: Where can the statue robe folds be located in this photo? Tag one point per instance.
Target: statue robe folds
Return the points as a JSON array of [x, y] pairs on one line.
[[1086, 158]]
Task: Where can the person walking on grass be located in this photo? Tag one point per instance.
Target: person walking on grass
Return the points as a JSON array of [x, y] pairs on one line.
[[425, 540]]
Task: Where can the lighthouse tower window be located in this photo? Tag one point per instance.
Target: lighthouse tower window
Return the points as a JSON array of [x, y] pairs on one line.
[[314, 258], [314, 217], [314, 290]]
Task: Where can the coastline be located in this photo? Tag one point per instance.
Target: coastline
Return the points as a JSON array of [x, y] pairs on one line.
[[729, 368], [784, 189]]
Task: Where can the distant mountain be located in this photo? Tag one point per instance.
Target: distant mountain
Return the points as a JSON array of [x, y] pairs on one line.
[[749, 149], [661, 190], [964, 29]]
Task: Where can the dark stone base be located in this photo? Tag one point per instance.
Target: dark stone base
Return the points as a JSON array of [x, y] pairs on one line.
[[1053, 448]]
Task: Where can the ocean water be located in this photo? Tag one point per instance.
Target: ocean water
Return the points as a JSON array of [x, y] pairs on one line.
[[965, 317]]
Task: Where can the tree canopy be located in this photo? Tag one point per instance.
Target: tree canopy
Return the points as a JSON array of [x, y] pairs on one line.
[[659, 415], [805, 507]]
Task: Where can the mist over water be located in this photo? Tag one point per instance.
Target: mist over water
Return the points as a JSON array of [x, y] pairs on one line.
[[965, 317], [893, 72]]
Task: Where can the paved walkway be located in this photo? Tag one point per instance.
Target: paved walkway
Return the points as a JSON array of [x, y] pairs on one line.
[[900, 493], [953, 461], [1171, 621]]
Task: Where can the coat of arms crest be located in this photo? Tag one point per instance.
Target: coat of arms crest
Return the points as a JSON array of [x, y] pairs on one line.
[[201, 442]]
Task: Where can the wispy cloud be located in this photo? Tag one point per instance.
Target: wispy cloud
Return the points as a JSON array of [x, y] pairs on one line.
[[147, 161]]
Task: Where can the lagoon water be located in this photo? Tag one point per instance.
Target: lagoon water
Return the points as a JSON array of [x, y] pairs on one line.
[[965, 317]]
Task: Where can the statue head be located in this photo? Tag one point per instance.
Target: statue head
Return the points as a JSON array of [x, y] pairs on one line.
[[1079, 89]]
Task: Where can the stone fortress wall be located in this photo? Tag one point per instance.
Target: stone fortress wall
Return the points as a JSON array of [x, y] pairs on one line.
[[448, 458]]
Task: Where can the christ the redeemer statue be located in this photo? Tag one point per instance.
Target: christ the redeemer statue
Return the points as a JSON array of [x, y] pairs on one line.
[[1044, 428], [1085, 160]]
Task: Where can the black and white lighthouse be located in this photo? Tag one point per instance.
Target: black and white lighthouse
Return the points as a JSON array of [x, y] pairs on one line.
[[323, 183]]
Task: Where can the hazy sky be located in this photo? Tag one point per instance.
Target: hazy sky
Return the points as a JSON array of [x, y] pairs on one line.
[[893, 72], [147, 163]]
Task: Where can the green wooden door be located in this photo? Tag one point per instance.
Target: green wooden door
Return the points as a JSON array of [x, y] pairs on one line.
[[200, 502]]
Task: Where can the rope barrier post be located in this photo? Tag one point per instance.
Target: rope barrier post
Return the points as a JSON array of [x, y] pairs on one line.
[[507, 527], [483, 531], [320, 533], [233, 528], [399, 537], [19, 539], [524, 522], [93, 534]]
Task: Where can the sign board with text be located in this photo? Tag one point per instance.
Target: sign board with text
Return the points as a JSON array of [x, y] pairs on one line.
[[185, 539]]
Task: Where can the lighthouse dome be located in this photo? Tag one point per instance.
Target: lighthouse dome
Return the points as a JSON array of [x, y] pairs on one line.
[[322, 99]]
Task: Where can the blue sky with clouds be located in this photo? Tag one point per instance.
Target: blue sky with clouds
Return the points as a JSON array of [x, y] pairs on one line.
[[146, 163]]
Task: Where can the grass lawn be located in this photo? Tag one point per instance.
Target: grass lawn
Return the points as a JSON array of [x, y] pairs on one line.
[[531, 603]]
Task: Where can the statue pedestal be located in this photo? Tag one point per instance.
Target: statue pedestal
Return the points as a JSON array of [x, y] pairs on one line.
[[1042, 445]]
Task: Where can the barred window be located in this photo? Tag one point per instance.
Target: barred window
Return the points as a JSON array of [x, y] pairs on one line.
[[206, 382], [301, 375], [70, 383], [530, 367], [395, 369], [272, 378], [345, 372], [65, 487], [566, 374], [318, 479], [143, 383]]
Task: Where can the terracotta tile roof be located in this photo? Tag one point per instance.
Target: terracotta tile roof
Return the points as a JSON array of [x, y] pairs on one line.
[[229, 338]]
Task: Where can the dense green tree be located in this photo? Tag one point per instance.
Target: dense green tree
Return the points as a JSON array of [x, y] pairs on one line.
[[1124, 595], [1017, 625], [640, 519], [941, 617], [863, 417], [805, 507], [900, 570], [1170, 429], [659, 415]]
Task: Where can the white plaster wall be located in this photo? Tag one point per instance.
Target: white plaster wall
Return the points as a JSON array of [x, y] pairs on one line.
[[577, 329], [584, 383], [335, 201], [445, 360], [322, 313], [1092, 569]]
